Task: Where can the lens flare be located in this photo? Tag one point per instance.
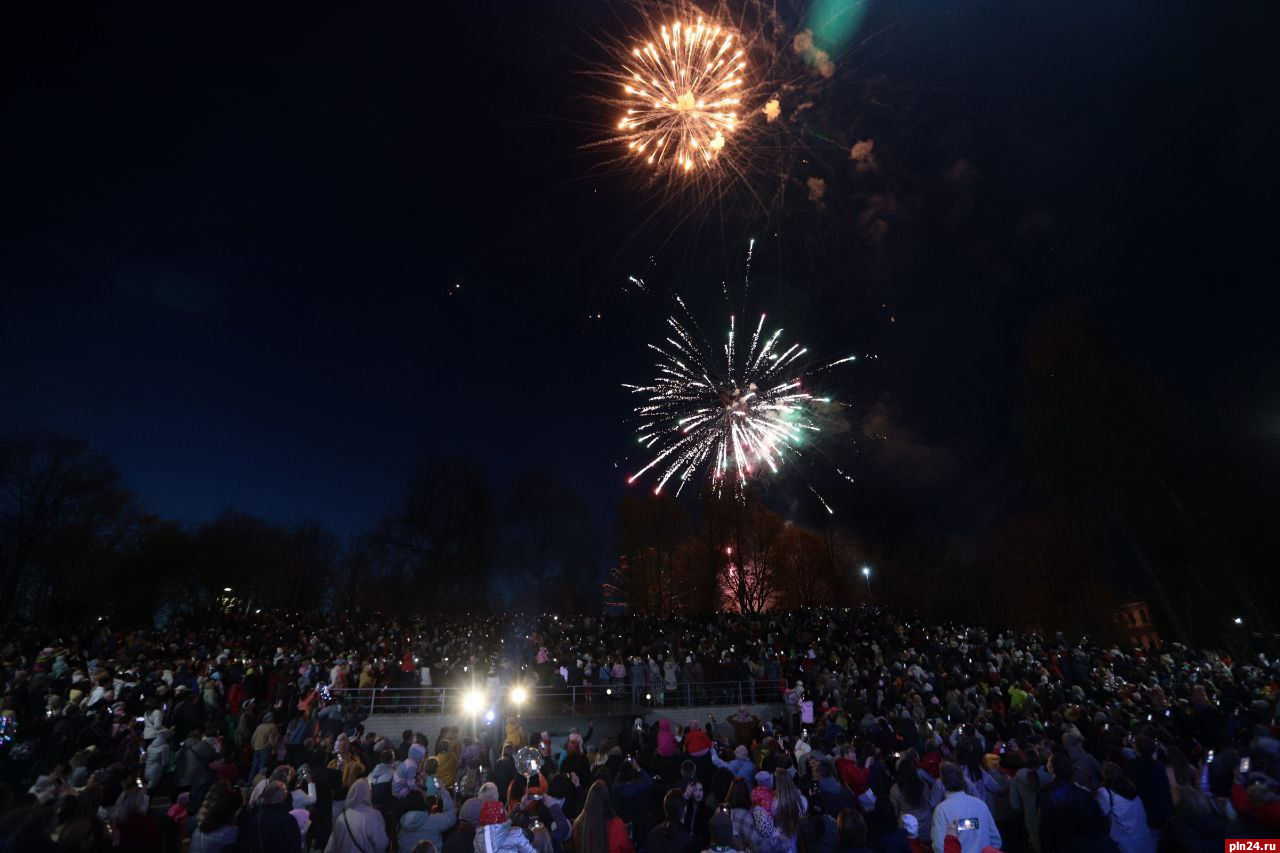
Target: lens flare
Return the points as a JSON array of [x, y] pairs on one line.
[[682, 91], [731, 416]]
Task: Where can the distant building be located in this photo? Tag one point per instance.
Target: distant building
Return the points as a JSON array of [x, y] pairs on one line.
[[1133, 623]]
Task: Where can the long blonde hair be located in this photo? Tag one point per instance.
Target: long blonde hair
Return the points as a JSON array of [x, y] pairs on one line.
[[591, 829], [786, 801]]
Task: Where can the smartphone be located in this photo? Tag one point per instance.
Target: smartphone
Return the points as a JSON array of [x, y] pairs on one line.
[[967, 823], [535, 824], [1244, 764], [1106, 727], [1210, 756]]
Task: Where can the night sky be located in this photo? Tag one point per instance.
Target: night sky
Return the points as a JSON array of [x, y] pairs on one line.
[[266, 257]]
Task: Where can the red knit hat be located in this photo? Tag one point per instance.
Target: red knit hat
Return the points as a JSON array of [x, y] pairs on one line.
[[762, 796], [492, 812]]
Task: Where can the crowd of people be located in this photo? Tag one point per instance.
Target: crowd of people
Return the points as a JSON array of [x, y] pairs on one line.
[[875, 732]]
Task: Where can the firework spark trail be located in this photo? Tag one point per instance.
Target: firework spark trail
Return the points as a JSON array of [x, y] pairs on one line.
[[731, 422]]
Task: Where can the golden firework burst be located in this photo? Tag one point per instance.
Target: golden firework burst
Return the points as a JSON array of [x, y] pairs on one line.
[[682, 94]]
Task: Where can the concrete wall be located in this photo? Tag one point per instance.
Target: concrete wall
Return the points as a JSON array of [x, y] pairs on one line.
[[558, 724]]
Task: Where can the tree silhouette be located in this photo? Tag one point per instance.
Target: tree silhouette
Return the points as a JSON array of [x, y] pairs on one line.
[[63, 515]]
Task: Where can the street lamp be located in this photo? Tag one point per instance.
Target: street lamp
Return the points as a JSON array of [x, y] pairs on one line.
[[866, 575]]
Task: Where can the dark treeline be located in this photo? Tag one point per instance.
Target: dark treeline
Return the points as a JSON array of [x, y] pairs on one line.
[[76, 544], [1118, 503]]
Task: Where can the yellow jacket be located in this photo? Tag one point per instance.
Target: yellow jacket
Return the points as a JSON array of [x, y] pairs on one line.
[[265, 736], [447, 768]]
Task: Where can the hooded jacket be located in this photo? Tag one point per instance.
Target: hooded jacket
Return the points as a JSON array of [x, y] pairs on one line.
[[360, 826], [425, 826], [1129, 828], [666, 740], [696, 741], [740, 765], [406, 775], [157, 761]]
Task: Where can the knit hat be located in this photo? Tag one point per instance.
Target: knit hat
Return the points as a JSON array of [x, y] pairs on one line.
[[470, 811], [492, 812], [764, 779], [911, 825], [762, 797]]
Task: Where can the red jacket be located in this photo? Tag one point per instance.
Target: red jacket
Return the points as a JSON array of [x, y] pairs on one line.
[[1267, 815], [857, 778], [619, 841], [696, 740]]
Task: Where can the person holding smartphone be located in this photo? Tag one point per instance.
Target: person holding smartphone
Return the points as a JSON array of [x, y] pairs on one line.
[[976, 828]]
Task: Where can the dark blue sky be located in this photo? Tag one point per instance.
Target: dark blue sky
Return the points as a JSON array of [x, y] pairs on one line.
[[229, 241]]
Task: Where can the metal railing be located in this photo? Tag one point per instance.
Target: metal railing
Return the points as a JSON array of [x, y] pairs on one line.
[[620, 697]]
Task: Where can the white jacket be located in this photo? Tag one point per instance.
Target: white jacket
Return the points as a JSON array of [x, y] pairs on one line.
[[501, 838], [1128, 822]]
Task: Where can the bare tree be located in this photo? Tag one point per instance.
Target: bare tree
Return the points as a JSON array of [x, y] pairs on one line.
[[63, 512], [313, 562], [548, 544], [650, 530], [441, 534]]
